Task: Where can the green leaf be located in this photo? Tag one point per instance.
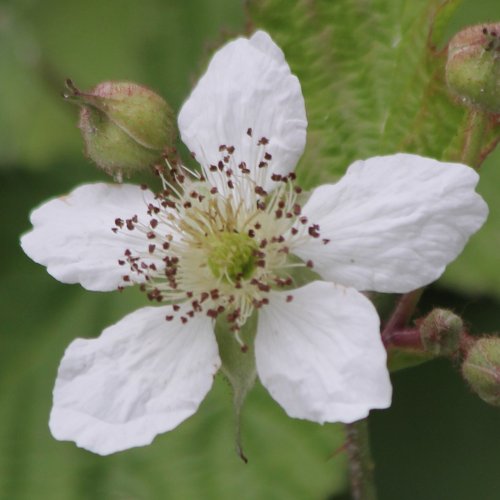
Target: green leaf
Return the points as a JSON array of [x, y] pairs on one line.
[[152, 42], [477, 269], [372, 74], [372, 79]]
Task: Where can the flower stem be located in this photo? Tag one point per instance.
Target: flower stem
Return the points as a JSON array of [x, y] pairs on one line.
[[471, 153], [361, 467], [401, 314], [406, 338]]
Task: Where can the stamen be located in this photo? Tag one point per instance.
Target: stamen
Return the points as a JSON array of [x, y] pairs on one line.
[[219, 248]]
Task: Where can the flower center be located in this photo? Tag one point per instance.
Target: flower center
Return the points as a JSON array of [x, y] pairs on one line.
[[219, 244], [231, 256]]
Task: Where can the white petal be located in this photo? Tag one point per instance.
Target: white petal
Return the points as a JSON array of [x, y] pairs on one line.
[[321, 356], [394, 222], [248, 85], [72, 234], [141, 377]]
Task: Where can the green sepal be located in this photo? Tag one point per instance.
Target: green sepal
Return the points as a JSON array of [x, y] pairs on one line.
[[399, 359], [238, 366], [125, 126], [481, 369]]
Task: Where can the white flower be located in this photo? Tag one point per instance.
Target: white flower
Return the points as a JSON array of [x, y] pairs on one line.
[[224, 245]]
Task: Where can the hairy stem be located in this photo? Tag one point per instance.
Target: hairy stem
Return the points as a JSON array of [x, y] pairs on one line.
[[361, 467], [408, 338], [471, 153], [402, 313]]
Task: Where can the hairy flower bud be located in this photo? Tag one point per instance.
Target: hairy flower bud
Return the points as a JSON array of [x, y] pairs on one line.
[[440, 332], [481, 369], [473, 67], [125, 126]]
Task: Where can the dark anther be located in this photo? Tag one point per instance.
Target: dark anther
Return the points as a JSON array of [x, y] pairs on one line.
[[314, 231]]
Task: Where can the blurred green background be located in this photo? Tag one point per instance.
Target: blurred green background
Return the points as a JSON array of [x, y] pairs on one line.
[[438, 441]]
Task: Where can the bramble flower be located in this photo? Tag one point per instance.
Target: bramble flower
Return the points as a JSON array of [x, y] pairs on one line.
[[226, 245]]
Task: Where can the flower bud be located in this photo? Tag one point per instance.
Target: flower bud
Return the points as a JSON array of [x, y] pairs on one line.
[[440, 332], [473, 67], [126, 127], [481, 369]]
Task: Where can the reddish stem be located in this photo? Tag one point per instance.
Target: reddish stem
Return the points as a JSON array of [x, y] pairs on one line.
[[401, 314], [408, 338]]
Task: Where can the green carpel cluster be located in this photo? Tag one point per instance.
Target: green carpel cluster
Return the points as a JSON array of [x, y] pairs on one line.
[[231, 256]]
